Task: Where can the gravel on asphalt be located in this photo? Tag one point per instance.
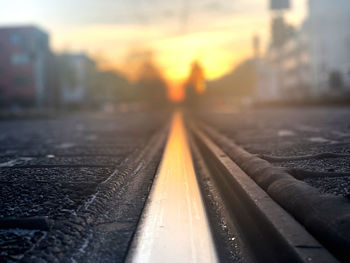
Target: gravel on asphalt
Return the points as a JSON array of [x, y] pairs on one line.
[[51, 167], [292, 132]]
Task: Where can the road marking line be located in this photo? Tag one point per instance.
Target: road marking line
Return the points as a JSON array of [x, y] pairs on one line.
[[174, 226]]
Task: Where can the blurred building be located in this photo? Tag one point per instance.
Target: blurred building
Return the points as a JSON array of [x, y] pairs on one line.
[[311, 62], [76, 77], [328, 28], [112, 88], [24, 66]]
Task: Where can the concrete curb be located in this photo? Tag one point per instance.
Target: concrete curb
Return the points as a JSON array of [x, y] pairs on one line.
[[325, 217], [270, 233]]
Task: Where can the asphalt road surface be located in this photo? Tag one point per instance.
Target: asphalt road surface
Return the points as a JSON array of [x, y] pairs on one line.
[[52, 170], [293, 138]]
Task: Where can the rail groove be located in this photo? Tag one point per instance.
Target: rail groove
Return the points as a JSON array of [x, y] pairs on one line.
[[271, 234], [325, 217]]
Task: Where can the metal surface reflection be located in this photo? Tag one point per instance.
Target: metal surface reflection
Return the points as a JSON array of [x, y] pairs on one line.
[[174, 226]]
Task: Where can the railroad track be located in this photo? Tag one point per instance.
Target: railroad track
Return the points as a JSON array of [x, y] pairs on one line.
[[211, 201], [202, 198]]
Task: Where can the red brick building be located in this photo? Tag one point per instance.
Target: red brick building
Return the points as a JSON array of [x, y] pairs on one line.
[[24, 65]]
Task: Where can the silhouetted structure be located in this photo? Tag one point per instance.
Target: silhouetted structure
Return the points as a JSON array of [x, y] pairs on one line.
[[241, 82], [281, 32], [111, 87], [279, 4], [195, 84], [151, 87]]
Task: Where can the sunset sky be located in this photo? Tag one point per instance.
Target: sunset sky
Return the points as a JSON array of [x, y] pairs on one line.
[[216, 33]]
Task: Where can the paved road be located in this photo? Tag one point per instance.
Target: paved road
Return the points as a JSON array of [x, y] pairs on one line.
[[53, 169], [294, 132]]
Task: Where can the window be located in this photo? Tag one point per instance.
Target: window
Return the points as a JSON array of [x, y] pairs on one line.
[[336, 79], [15, 38], [19, 59], [20, 81]]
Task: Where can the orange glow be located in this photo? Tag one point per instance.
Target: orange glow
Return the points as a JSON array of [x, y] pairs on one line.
[[176, 91], [217, 48]]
